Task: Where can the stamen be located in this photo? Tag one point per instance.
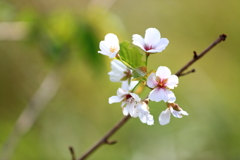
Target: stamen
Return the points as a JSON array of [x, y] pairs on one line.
[[161, 83], [113, 49]]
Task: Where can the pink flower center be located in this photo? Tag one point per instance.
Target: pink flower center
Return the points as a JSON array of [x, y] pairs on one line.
[[162, 82], [147, 47], [128, 96]]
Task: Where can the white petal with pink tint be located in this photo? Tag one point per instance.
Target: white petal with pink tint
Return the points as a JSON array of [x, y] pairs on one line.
[[152, 37], [138, 41], [170, 96], [157, 95], [172, 81], [162, 44], [163, 72], [151, 81]]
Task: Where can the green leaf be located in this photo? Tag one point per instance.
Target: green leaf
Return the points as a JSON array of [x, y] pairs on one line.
[[134, 58]]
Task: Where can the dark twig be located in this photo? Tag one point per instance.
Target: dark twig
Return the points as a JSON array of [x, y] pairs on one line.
[[72, 153], [195, 54], [105, 139], [197, 57], [186, 73]]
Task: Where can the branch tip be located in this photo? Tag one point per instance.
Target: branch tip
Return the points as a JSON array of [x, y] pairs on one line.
[[195, 54], [72, 152], [191, 71], [110, 142], [223, 37]]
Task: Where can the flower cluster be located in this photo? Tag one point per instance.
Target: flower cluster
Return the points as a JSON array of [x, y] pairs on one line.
[[129, 69]]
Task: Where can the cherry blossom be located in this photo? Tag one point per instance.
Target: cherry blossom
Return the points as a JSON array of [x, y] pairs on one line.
[[129, 102], [110, 45], [176, 111], [144, 114], [152, 42], [121, 73], [162, 82]]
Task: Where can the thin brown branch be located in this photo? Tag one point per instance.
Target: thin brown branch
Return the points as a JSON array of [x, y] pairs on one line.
[[197, 57], [72, 153], [186, 73], [105, 139]]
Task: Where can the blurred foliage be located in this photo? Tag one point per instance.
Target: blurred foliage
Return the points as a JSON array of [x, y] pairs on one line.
[[7, 11], [61, 34], [67, 33]]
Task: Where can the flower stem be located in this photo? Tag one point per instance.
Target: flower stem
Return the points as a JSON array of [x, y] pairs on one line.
[[147, 55]]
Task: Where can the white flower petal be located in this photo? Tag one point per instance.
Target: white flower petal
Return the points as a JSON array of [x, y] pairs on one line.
[[121, 92], [170, 96], [114, 99], [113, 54], [132, 85], [123, 104], [172, 81], [104, 47], [138, 41], [125, 85], [118, 71], [152, 51], [111, 39], [157, 95], [136, 97], [164, 117], [152, 37], [163, 72], [131, 109], [143, 118], [176, 114], [161, 45], [115, 77], [125, 111], [184, 113], [151, 81], [150, 120], [118, 66], [128, 87]]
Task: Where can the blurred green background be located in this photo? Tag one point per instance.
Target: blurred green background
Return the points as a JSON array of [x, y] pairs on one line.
[[39, 38]]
